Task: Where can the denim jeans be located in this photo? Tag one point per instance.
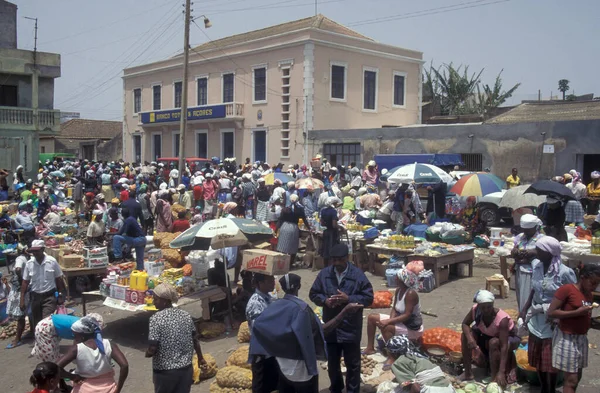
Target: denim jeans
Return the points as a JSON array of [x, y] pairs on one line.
[[138, 243]]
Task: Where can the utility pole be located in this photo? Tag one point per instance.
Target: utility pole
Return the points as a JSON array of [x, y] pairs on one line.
[[306, 160], [184, 89], [316, 5], [34, 101]]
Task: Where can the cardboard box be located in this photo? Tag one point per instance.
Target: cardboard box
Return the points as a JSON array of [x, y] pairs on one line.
[[70, 261], [54, 252], [154, 269], [95, 252], [96, 261], [135, 297], [153, 255], [118, 292], [266, 262]]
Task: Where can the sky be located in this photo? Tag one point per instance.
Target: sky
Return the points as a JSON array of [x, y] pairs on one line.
[[534, 42]]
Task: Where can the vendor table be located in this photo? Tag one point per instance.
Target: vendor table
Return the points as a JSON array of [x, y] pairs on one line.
[[373, 250], [205, 295], [69, 272], [573, 260], [436, 263]]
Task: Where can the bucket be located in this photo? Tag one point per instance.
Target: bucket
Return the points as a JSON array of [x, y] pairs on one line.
[[495, 232], [570, 230], [496, 242]]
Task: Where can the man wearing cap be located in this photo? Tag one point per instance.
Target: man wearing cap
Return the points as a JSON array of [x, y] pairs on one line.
[[370, 174], [44, 278], [184, 199], [335, 286], [132, 234]]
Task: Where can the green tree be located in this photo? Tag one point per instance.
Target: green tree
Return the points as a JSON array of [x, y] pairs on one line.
[[453, 88], [563, 86], [489, 98]]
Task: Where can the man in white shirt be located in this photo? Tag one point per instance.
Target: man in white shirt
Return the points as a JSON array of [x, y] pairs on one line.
[[43, 276]]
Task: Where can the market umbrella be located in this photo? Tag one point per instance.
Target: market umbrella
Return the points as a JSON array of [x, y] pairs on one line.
[[550, 188], [477, 184], [283, 177], [419, 174], [307, 182], [518, 197]]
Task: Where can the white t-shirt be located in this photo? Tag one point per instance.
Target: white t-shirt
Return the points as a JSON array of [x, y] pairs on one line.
[[42, 276], [90, 362]]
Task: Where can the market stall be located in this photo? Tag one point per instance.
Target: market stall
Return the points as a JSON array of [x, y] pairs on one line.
[[440, 264], [374, 250]]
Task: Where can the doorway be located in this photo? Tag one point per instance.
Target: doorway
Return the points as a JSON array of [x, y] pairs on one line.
[[591, 162], [259, 143]]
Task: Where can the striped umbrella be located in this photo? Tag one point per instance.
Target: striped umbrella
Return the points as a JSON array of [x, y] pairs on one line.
[[478, 184], [270, 178], [419, 174]]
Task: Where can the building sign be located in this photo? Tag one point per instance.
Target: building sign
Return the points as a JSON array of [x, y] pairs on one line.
[[548, 149], [173, 115]]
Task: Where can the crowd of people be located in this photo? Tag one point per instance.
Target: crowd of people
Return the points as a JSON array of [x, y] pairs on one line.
[[125, 202]]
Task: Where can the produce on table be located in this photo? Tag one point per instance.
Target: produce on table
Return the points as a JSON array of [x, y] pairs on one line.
[[239, 357], [206, 371], [215, 388], [211, 330], [243, 335], [187, 269], [382, 299], [234, 377], [471, 388]]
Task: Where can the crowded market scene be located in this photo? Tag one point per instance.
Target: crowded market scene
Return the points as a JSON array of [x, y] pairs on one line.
[[321, 277]]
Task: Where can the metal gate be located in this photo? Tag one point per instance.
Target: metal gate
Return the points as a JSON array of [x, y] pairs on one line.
[[10, 153], [473, 162]]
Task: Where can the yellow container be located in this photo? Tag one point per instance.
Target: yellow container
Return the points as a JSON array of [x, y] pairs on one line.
[[138, 280]]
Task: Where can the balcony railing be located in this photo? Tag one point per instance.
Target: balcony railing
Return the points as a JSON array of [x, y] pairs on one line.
[[23, 117], [234, 109]]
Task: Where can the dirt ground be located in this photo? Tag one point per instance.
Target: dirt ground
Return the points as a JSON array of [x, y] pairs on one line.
[[450, 303]]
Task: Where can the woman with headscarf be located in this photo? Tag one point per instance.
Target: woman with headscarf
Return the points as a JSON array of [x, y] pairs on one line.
[[576, 185], [404, 319], [146, 218], [289, 234], [262, 201], [164, 216], [331, 232], [92, 357], [101, 203], [107, 182], [225, 188], [247, 197], [469, 218], [413, 371], [349, 202], [14, 297], [523, 253], [492, 334], [52, 219], [593, 194], [172, 341], [549, 274]]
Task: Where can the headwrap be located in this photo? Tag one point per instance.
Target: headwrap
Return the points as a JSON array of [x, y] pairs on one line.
[[529, 221], [371, 163], [483, 296], [551, 245], [163, 186], [293, 198], [90, 326], [352, 193], [115, 201], [595, 175], [100, 196], [409, 278], [567, 176], [53, 208], [332, 200], [289, 282], [277, 182], [362, 191], [97, 212], [291, 184], [167, 292], [143, 188], [401, 345], [162, 193]]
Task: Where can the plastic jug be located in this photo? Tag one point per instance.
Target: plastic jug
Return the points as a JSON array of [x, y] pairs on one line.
[[138, 280]]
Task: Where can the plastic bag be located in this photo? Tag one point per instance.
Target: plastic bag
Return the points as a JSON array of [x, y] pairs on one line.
[[382, 299], [415, 267], [442, 337], [388, 387], [61, 309]]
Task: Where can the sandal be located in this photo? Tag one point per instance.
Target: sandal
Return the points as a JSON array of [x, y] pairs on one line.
[[12, 345], [364, 352], [387, 367]]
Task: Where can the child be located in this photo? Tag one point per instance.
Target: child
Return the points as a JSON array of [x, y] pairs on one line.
[[182, 223], [45, 377]]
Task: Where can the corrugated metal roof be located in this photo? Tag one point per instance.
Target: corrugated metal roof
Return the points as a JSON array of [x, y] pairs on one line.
[[90, 129], [549, 112]]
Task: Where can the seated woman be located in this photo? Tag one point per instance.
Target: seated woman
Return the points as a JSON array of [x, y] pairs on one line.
[[413, 370], [92, 356], [405, 317], [469, 218], [493, 337]]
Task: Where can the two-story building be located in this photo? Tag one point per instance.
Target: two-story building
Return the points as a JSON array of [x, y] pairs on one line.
[[259, 94], [26, 96]]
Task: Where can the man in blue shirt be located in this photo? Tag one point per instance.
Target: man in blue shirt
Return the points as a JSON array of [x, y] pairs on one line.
[[134, 207], [131, 234], [335, 287]]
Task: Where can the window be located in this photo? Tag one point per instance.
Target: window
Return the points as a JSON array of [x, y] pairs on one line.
[[259, 145], [399, 88], [42, 149], [137, 148], [137, 101], [201, 144], [228, 93], [260, 85], [175, 144], [156, 97], [370, 89], [156, 146], [227, 144], [338, 82], [8, 95], [342, 153], [177, 89], [473, 162], [202, 92]]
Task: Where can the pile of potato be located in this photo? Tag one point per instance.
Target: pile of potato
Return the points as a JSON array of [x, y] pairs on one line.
[[215, 388], [239, 358], [210, 329], [234, 377], [206, 371], [10, 330], [243, 335], [367, 365]]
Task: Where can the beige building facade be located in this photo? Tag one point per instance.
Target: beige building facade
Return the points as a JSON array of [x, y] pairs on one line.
[[256, 95]]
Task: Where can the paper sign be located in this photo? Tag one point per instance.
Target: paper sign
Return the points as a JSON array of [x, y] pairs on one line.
[[548, 149]]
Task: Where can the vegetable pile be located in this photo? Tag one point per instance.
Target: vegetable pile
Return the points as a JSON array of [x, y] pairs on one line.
[[234, 377], [211, 329], [243, 335], [239, 357], [10, 330], [382, 299], [442, 337], [206, 371]]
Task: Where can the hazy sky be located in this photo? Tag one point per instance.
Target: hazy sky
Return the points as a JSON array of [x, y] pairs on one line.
[[536, 42]]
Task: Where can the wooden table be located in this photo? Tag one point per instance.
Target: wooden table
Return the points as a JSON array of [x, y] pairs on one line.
[[76, 272], [436, 263], [373, 250]]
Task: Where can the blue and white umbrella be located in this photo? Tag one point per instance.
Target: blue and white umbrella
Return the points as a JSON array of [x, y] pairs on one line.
[[419, 174]]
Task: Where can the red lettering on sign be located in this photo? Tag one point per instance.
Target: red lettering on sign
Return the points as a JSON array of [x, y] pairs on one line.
[[258, 263]]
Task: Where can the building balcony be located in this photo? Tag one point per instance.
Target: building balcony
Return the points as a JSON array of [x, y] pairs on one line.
[[196, 114], [23, 119]]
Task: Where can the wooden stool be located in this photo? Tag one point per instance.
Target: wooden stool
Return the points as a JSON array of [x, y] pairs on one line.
[[497, 283]]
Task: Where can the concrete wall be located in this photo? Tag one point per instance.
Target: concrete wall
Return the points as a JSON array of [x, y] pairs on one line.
[[19, 147], [8, 25], [503, 146], [48, 145], [23, 83], [111, 150]]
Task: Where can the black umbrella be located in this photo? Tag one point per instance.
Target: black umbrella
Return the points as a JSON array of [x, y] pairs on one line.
[[550, 188]]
